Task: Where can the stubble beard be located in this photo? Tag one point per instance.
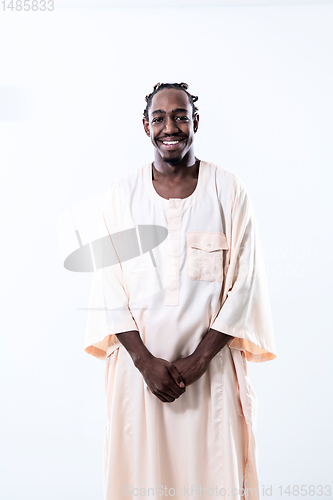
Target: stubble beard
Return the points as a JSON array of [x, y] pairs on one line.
[[172, 161]]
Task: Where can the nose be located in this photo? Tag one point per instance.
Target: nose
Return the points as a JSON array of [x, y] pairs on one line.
[[170, 126]]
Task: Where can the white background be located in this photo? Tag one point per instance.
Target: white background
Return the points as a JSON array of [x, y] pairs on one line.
[[72, 87]]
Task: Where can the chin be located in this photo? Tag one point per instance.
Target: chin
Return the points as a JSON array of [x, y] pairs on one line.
[[172, 161]]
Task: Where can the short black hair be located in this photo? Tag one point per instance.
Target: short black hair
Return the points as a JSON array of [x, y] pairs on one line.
[[159, 86]]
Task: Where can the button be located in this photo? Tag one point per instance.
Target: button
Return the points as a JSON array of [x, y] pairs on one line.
[[209, 244], [175, 205], [174, 235]]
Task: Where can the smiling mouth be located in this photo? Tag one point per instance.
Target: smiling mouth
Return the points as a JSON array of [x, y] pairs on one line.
[[171, 142]]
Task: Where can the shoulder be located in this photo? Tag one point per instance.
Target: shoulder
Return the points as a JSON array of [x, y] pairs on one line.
[[117, 198], [120, 190], [227, 182], [125, 184], [128, 179]]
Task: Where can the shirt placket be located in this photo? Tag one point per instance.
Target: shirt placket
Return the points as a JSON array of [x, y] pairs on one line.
[[174, 217]]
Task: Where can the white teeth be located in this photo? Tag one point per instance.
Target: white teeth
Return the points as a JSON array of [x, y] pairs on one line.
[[170, 142]]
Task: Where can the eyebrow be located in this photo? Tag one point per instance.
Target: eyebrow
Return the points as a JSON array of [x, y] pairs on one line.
[[173, 111]]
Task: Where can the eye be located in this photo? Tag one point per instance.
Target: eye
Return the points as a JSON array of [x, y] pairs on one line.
[[182, 118], [156, 120]]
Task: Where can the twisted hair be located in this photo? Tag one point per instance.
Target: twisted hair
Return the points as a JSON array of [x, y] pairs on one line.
[[159, 86]]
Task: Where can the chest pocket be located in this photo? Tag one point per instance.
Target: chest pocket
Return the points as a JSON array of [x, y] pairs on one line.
[[204, 255]]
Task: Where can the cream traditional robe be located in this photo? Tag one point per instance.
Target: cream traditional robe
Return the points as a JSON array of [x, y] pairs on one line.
[[208, 273]]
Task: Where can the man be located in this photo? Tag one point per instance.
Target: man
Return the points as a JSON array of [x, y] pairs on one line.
[[181, 320]]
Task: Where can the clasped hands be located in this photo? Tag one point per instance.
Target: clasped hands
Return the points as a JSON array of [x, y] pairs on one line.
[[166, 380]]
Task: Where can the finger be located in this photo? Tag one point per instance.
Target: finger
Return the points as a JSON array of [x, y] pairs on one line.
[[176, 376], [168, 389], [173, 393], [172, 389], [165, 398]]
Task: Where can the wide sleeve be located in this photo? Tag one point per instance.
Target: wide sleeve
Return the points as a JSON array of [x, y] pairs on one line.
[[108, 311], [245, 313]]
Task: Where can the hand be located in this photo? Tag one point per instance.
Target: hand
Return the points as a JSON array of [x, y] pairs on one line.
[[162, 378], [191, 368], [194, 366]]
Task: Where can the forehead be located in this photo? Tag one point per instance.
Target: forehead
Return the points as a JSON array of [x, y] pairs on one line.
[[168, 99]]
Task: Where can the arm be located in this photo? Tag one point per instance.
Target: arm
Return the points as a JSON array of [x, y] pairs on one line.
[[194, 366], [109, 311], [160, 375], [245, 309]]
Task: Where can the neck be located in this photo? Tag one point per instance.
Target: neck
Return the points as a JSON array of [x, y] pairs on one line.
[[183, 168]]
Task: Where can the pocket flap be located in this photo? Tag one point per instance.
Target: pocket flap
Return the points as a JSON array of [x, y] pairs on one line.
[[206, 240]]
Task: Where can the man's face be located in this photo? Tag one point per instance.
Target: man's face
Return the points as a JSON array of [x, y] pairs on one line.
[[171, 125]]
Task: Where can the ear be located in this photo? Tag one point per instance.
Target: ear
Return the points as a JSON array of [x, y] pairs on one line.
[[195, 123], [146, 126]]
